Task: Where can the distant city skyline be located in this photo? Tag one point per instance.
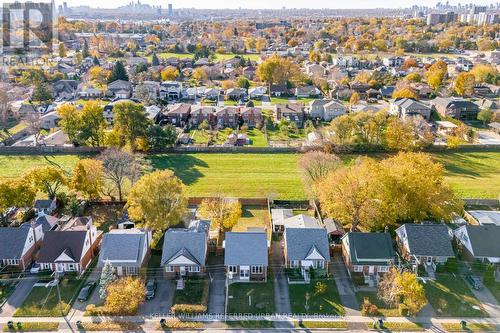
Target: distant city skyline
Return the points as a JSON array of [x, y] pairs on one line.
[[275, 4]]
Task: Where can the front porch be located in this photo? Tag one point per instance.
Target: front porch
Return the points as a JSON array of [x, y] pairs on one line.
[[246, 274]]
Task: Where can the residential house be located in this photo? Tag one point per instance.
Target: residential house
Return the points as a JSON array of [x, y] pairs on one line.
[[45, 206], [249, 72], [306, 249], [90, 93], [308, 92], [278, 90], [67, 251], [212, 93], [251, 117], [316, 108], [480, 242], [65, 89], [393, 61], [457, 108], [257, 92], [49, 120], [150, 90], [246, 256], [200, 113], [17, 247], [293, 112], [483, 217], [226, 116], [445, 127], [127, 250], [495, 127], [387, 91], [120, 89], [171, 91], [408, 107], [184, 252], [178, 114], [284, 218], [425, 244], [315, 70], [235, 94], [490, 104], [369, 254], [40, 225]]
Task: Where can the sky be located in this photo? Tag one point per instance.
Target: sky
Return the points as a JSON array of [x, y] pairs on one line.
[[270, 4]]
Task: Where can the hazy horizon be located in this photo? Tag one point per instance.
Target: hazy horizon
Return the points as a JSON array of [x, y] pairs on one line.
[[266, 4]]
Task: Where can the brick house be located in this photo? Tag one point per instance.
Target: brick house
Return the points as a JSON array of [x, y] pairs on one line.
[[201, 113], [369, 254], [251, 117], [246, 256], [227, 116], [178, 114], [293, 112], [17, 247]]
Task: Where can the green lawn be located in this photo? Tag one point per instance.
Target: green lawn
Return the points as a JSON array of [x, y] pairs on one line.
[[283, 100], [471, 175], [44, 302], [326, 303], [32, 327], [252, 217], [258, 139], [195, 292], [451, 297], [252, 297], [383, 308]]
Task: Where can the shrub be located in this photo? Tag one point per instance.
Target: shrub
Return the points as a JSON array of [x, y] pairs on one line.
[[404, 310], [179, 324], [111, 326], [188, 308], [368, 308], [451, 265]]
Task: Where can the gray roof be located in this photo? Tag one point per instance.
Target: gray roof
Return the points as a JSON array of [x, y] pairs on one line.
[[301, 221], [57, 242], [12, 242], [279, 214], [43, 203], [47, 222], [369, 247], [124, 246], [190, 243], [300, 241], [246, 248], [428, 239], [484, 240]]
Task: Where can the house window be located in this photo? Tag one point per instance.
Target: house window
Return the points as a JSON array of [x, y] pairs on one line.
[[71, 267], [383, 269], [194, 269], [132, 270], [294, 263], [169, 268], [358, 268], [12, 262], [232, 269], [257, 269], [319, 264]]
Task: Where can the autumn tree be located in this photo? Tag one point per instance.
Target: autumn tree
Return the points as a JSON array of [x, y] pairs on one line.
[[62, 50], [436, 74], [400, 135], [124, 296], [15, 193], [70, 121], [199, 74], [47, 179], [342, 128], [169, 74], [485, 115], [157, 200], [130, 122], [99, 75], [223, 213], [88, 178], [278, 70], [227, 84], [402, 288], [120, 167], [314, 56], [315, 166], [464, 84], [354, 99], [92, 124], [260, 44], [484, 73], [243, 82], [405, 93]]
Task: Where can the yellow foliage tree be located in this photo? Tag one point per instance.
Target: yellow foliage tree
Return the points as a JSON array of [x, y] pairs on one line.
[[464, 84], [88, 178], [169, 74], [223, 212], [124, 296], [405, 93]]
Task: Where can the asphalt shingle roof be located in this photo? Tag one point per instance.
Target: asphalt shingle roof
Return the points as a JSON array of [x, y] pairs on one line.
[[57, 242], [122, 247], [184, 241], [428, 239], [12, 242], [485, 240], [246, 248], [367, 247], [299, 242]]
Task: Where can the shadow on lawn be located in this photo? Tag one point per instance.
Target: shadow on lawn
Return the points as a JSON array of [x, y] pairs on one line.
[[186, 167], [467, 164]]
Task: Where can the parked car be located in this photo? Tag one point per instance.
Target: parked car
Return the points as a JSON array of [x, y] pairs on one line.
[[150, 289], [86, 291], [474, 281], [35, 268]]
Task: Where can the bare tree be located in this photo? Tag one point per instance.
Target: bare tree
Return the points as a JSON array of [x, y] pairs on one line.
[[119, 167], [315, 166], [34, 125]]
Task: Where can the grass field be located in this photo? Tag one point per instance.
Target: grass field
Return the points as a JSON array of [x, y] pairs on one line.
[[471, 175]]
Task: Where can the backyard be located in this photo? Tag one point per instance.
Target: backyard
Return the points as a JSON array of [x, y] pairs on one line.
[[251, 297], [451, 297], [308, 298], [252, 217], [471, 174]]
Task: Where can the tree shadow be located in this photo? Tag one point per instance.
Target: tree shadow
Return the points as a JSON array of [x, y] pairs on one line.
[[186, 167]]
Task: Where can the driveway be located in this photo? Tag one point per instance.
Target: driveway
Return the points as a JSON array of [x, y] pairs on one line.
[[344, 285], [79, 307], [281, 295], [217, 291], [487, 300], [17, 298], [161, 304]]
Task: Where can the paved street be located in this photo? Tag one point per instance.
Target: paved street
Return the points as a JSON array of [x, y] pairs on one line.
[[217, 291], [15, 300]]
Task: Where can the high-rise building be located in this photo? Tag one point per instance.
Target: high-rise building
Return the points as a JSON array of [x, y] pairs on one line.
[[170, 10], [436, 18]]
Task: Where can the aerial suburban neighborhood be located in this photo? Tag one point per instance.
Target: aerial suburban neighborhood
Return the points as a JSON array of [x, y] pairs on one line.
[[250, 169]]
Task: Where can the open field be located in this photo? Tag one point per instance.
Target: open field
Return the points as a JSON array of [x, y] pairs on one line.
[[471, 174]]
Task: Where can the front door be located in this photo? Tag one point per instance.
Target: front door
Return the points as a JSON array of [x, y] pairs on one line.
[[182, 270], [59, 268], [245, 272], [371, 269], [429, 260]]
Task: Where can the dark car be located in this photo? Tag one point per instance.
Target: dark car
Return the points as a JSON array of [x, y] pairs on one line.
[[474, 281], [150, 289], [86, 291]]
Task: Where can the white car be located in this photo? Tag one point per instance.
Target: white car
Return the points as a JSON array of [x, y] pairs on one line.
[[35, 269]]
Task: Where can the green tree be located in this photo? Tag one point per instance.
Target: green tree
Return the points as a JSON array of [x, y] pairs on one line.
[[161, 137], [41, 93], [107, 277], [130, 121], [85, 50], [70, 121], [154, 60], [485, 115], [243, 82], [119, 72]]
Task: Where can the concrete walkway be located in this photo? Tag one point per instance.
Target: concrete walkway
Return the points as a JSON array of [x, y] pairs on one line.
[[487, 299], [281, 293], [217, 291], [17, 298]]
